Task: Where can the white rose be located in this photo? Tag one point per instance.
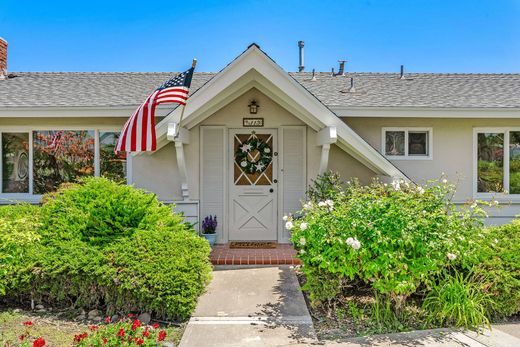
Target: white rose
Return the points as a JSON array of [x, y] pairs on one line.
[[285, 218], [444, 181], [420, 190], [322, 203], [349, 241], [302, 241], [307, 205], [451, 256], [356, 245], [289, 225], [303, 226], [474, 205], [396, 185], [329, 203]]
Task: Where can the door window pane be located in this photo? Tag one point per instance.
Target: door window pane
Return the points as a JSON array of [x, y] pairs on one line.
[[394, 143], [514, 162], [112, 165], [15, 162], [61, 156], [490, 167], [418, 143]]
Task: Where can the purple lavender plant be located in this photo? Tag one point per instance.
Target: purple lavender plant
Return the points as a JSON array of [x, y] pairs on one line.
[[209, 224]]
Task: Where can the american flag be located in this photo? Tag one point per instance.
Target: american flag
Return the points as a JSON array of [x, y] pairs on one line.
[[138, 134]]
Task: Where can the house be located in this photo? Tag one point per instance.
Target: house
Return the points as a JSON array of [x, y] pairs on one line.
[[253, 136]]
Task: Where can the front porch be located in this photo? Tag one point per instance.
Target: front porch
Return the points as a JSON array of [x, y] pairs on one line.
[[283, 254]]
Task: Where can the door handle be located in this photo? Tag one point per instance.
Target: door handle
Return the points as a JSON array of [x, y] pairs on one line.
[[271, 190]]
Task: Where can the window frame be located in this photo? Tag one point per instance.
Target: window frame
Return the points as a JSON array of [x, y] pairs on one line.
[[35, 198], [406, 130], [505, 183]]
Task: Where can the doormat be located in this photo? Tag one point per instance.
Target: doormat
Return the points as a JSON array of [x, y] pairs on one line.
[[252, 245]]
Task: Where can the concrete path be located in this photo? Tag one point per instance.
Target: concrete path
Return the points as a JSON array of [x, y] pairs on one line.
[[264, 306], [250, 306], [499, 336]]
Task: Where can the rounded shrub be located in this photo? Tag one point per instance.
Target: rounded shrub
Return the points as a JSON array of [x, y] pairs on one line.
[[104, 244]]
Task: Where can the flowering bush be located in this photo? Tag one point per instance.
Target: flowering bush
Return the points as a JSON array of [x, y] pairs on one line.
[[395, 239], [126, 332]]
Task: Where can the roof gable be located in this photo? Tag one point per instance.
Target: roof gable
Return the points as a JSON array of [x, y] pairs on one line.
[[255, 69]]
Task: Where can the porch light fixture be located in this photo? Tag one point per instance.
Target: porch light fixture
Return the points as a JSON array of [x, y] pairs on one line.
[[253, 107]]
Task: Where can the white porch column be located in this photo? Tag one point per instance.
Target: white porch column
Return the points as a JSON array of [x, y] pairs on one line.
[[325, 138], [180, 138]]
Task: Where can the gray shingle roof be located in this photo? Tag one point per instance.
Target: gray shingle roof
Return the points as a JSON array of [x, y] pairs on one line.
[[83, 89]]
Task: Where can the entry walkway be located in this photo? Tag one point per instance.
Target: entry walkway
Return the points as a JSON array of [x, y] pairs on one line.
[[263, 306], [250, 306]]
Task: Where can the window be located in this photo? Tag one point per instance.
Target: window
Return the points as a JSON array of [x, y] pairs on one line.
[[497, 162], [407, 143], [38, 161]]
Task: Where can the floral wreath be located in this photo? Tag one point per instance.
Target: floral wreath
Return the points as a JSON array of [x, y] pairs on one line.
[[251, 145]]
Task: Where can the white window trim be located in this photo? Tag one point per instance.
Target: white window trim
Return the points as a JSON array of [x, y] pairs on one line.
[[8, 198], [497, 196], [406, 131]]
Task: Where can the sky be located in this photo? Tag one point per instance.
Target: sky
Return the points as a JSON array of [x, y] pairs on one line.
[[372, 35]]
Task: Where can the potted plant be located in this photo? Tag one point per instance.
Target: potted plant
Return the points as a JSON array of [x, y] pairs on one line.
[[209, 227]]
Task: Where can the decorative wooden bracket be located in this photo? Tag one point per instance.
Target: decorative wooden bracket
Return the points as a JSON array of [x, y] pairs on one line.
[[325, 138], [181, 137]]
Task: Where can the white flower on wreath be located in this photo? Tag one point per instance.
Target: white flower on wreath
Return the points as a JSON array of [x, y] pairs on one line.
[[246, 147], [303, 226], [259, 167], [289, 225], [451, 256], [302, 241], [243, 163], [267, 150]]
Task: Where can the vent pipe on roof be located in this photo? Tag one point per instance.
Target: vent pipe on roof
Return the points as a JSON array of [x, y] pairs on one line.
[[401, 77], [332, 72], [341, 71], [352, 89], [300, 46], [313, 75]]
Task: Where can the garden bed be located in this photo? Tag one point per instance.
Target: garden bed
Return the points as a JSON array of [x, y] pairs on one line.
[[57, 327]]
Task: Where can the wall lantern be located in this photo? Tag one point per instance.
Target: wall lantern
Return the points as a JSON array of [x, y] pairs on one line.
[[253, 107]]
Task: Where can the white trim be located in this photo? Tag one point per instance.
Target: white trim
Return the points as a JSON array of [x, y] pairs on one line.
[[406, 130], [497, 195], [425, 112]]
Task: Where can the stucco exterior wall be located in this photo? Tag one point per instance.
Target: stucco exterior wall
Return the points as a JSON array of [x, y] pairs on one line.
[[452, 152], [158, 172]]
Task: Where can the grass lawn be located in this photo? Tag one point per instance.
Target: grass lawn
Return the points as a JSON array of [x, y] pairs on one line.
[[53, 327]]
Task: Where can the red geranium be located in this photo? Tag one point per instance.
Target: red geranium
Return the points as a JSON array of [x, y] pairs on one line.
[[131, 315], [80, 337], [105, 341], [136, 324], [146, 333], [39, 342], [93, 327], [28, 323], [107, 319], [121, 332], [162, 335], [155, 325], [139, 342]]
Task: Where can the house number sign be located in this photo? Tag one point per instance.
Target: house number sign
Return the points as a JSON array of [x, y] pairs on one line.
[[253, 122]]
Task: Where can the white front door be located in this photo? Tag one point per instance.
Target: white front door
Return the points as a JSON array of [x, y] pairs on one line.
[[252, 190]]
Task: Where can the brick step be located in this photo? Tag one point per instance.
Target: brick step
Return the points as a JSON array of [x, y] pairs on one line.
[[283, 254]]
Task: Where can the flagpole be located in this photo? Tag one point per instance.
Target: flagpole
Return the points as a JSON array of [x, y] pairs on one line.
[[193, 64]]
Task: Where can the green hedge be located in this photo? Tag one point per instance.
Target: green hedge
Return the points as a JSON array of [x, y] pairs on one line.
[[102, 244]]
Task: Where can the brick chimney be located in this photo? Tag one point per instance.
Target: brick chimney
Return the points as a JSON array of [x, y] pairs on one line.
[[3, 58]]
